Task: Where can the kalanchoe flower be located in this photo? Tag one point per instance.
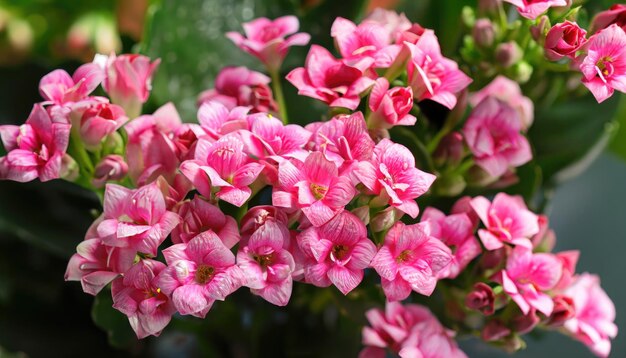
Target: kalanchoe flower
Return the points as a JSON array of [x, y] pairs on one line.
[[216, 120], [271, 139], [506, 220], [355, 42], [111, 168], [492, 132], [509, 92], [393, 22], [259, 215], [410, 260], [481, 298], [199, 273], [390, 107], [337, 252], [531, 9], [34, 149], [267, 39], [138, 296], [331, 80], [604, 67], [59, 88], [563, 40], [563, 311], [615, 15], [98, 121]]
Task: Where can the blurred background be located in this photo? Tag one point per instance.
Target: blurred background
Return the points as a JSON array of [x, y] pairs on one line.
[[42, 316]]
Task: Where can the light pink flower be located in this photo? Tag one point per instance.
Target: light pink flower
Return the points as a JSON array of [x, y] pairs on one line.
[[59, 88], [392, 174], [198, 216], [506, 220], [337, 252], [355, 42], [331, 80], [138, 296], [457, 232], [432, 76], [216, 120], [615, 15], [98, 121], [527, 276], [393, 22], [531, 9], [271, 139], [267, 39], [492, 133], [199, 273], [509, 92], [391, 107], [563, 40], [111, 168], [593, 323], [604, 67], [222, 165], [410, 260], [34, 149]]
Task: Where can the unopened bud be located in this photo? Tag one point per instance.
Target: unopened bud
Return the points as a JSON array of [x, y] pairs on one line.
[[481, 298], [508, 54], [483, 33], [111, 167]]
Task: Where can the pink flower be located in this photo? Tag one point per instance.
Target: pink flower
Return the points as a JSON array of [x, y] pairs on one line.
[[393, 22], [59, 88], [257, 216], [111, 168], [355, 42], [267, 39], [457, 232], [492, 132], [481, 298], [271, 139], [604, 67], [216, 120], [199, 273], [239, 86], [337, 252], [98, 121], [526, 276], [615, 15], [432, 76], [531, 9], [136, 220], [34, 149], [410, 260], [506, 220], [198, 216], [222, 165], [331, 80], [509, 92], [266, 264], [391, 107], [392, 175], [138, 296], [563, 40]]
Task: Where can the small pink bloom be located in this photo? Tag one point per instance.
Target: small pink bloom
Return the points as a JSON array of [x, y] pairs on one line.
[[392, 174], [563, 40], [391, 107], [481, 298], [393, 22], [337, 252], [615, 15], [111, 168], [509, 92], [271, 139], [527, 276], [34, 149], [199, 273], [604, 67], [355, 42], [506, 220], [331, 80], [492, 133], [216, 120], [410, 260], [257, 216], [98, 121], [267, 39], [138, 296], [59, 88], [531, 9], [563, 311]]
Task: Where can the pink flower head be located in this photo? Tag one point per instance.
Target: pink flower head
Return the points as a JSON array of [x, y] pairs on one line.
[[136, 220], [199, 273], [222, 165], [239, 86], [138, 296], [257, 216], [509, 92], [393, 22], [492, 132], [615, 15], [527, 276], [506, 220], [271, 139], [593, 323], [331, 80], [337, 252], [563, 40], [355, 42], [391, 107], [531, 9], [59, 88], [432, 76], [198, 216], [392, 173], [457, 232], [604, 67], [267, 39], [111, 168], [34, 149], [100, 120], [216, 120], [266, 264]]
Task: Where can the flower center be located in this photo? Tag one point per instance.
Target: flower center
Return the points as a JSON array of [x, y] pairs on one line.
[[404, 256], [339, 252], [318, 191], [605, 67], [204, 274], [264, 260]]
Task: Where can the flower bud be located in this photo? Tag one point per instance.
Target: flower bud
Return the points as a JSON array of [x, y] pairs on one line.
[[111, 168], [483, 33], [390, 106], [523, 324], [494, 330], [542, 26], [385, 219], [522, 72], [508, 54], [99, 121], [450, 150], [363, 213], [563, 40], [69, 168], [481, 298], [563, 310]]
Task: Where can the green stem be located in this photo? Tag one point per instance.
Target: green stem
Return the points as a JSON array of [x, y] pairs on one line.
[[280, 98], [77, 151]]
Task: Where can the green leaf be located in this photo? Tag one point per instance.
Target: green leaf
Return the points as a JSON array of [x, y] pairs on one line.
[[112, 321]]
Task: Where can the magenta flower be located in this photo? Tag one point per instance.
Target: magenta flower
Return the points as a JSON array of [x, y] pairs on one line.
[[531, 9], [199, 273], [563, 40], [111, 168], [355, 42], [492, 133], [337, 252], [138, 296], [35, 149], [331, 80], [509, 92], [604, 67], [527, 276], [392, 175], [136, 219], [410, 260], [506, 220], [100, 120], [267, 39], [615, 15], [222, 165], [391, 107], [59, 88]]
